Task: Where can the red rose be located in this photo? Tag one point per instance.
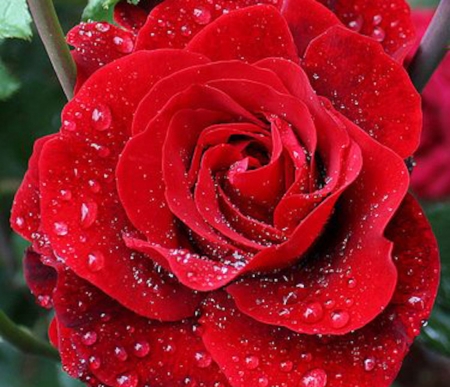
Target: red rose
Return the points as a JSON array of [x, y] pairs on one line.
[[227, 204], [430, 179]]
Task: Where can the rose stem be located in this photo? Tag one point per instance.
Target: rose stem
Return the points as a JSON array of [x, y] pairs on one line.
[[51, 33], [433, 47], [25, 341]]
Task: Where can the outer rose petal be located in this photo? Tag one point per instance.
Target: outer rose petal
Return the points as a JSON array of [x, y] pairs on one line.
[[376, 93], [119, 348], [174, 22], [254, 354], [97, 44], [250, 34], [388, 22], [41, 279], [85, 228], [25, 214]]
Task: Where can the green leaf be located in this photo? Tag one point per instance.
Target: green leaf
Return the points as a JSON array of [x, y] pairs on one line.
[[102, 10], [437, 333], [423, 3], [15, 20], [8, 83]]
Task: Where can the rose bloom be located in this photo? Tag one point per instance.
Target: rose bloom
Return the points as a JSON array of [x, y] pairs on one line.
[[431, 179], [226, 202]]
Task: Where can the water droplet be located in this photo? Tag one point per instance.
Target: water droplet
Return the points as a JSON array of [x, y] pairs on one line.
[[45, 301], [141, 349], [70, 126], [94, 363], [369, 364], [89, 212], [123, 44], [95, 186], [102, 27], [251, 362], [339, 319], [96, 261], [314, 378], [60, 228], [312, 313], [286, 366], [356, 24], [65, 194], [263, 381], [127, 380], [89, 338], [351, 283], [121, 353], [377, 19], [186, 31], [202, 15], [20, 222], [101, 118], [203, 359], [378, 34]]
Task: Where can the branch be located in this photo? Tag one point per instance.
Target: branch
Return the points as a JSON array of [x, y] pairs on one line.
[[25, 341], [51, 33], [433, 47]]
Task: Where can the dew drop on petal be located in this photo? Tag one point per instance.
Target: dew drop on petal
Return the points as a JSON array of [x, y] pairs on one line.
[[312, 313], [89, 212], [251, 362], [89, 338], [286, 366], [263, 381], [96, 261], [203, 359], [314, 378], [45, 301], [369, 364], [202, 15], [70, 126], [339, 319], [65, 194], [356, 24], [141, 349], [123, 44], [94, 363], [121, 353], [378, 34], [101, 118], [60, 228], [127, 380], [20, 222]]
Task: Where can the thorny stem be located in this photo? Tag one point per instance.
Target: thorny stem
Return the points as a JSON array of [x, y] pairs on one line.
[[433, 47], [51, 33], [25, 341]]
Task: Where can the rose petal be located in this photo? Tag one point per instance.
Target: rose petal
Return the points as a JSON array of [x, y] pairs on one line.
[[85, 228], [124, 349], [25, 213], [175, 22], [307, 19], [133, 17], [377, 93], [97, 44], [386, 22], [349, 277], [250, 34]]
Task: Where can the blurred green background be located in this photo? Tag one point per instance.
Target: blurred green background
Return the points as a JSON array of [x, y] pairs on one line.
[[30, 105]]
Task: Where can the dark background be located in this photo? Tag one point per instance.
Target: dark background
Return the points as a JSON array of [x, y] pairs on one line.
[[34, 111]]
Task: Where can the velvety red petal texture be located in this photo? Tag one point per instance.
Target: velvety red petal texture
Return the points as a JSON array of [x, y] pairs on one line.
[[376, 92], [25, 214], [102, 342], [255, 354], [97, 44], [41, 279], [71, 191], [387, 22], [269, 36]]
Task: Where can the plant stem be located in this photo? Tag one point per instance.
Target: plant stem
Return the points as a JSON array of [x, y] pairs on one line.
[[433, 47], [25, 341], [51, 33]]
